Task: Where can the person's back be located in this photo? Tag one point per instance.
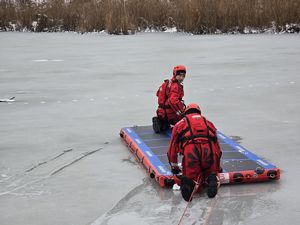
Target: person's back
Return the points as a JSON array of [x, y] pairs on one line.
[[170, 101], [195, 138]]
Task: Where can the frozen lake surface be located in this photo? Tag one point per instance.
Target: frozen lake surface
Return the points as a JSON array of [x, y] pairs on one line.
[[61, 158]]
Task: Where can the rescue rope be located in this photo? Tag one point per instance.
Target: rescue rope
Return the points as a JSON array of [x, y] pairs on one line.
[[194, 191], [191, 197]]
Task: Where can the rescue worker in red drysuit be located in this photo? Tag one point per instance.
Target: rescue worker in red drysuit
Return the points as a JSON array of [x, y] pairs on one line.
[[195, 138], [170, 103]]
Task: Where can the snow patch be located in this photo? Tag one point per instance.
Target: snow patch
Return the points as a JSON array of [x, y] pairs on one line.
[[176, 187], [47, 60], [34, 25], [171, 30]]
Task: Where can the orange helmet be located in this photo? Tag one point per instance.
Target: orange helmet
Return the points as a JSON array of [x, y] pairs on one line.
[[180, 69], [192, 106]]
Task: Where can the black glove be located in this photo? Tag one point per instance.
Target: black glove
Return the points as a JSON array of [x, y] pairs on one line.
[[175, 170]]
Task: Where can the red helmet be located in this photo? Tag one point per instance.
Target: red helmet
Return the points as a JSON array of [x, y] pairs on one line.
[[180, 69], [192, 106]]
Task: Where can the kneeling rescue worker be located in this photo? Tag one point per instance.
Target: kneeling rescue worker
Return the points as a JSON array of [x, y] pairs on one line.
[[195, 138], [170, 103]]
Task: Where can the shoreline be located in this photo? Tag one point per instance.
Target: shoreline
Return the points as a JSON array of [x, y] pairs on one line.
[[292, 28]]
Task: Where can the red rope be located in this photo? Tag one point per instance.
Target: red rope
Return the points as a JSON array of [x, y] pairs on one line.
[[194, 191], [191, 197]]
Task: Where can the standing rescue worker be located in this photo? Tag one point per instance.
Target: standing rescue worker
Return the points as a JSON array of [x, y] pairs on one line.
[[170, 103], [195, 138]]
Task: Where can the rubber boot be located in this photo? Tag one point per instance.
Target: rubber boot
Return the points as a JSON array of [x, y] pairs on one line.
[[156, 124], [187, 188], [165, 126], [212, 189]]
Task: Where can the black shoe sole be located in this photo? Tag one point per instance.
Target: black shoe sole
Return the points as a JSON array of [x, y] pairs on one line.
[[187, 188], [212, 189]]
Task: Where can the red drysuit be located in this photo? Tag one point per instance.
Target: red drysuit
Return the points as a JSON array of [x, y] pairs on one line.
[[170, 102], [195, 138]]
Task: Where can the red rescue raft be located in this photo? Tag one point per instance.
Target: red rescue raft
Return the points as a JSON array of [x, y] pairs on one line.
[[239, 164]]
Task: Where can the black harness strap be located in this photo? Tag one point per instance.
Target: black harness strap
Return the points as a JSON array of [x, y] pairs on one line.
[[164, 106], [196, 150], [192, 138], [183, 139], [166, 98], [209, 138]]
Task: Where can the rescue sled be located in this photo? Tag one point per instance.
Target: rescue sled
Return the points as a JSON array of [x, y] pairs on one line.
[[239, 164]]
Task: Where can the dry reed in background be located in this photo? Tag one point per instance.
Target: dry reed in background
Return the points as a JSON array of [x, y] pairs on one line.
[[129, 16]]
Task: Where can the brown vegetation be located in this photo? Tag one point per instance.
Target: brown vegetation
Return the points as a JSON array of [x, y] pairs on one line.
[[129, 16]]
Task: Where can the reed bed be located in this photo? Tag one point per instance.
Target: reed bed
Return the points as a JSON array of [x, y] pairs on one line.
[[130, 16]]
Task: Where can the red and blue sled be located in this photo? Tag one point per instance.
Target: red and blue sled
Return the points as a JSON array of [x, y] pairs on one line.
[[239, 164]]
